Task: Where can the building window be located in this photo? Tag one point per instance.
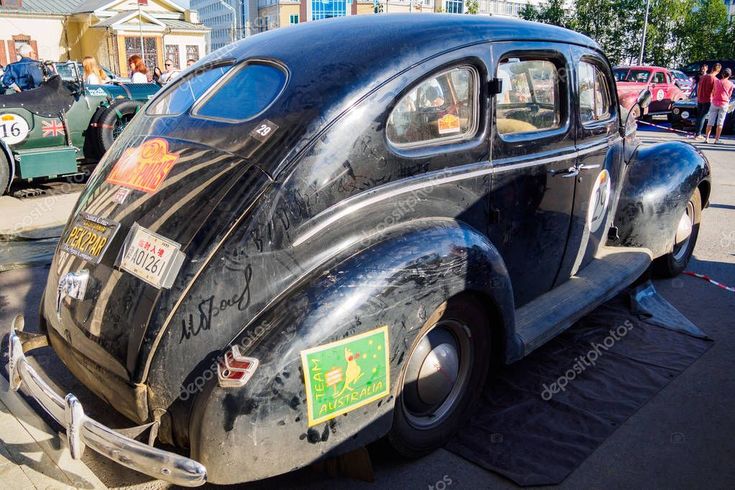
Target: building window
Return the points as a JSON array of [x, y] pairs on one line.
[[293, 19], [192, 52], [172, 53], [454, 6], [150, 57], [325, 9]]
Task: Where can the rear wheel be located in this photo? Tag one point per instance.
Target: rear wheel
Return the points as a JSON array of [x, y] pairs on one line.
[[442, 378], [687, 231], [4, 173]]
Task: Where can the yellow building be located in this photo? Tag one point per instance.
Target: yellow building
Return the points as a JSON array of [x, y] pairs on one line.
[[109, 30]]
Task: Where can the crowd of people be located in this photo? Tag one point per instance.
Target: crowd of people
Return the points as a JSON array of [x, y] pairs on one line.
[[713, 100], [26, 73]]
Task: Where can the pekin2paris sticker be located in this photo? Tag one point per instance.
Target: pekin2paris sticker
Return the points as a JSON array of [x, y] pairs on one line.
[[347, 374], [144, 168]]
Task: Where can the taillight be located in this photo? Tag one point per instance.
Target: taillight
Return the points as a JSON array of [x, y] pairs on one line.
[[234, 369]]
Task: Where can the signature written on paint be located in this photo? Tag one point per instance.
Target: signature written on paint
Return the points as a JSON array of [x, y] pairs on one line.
[[210, 308]]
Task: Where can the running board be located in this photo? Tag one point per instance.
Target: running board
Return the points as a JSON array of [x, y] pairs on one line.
[[613, 269]]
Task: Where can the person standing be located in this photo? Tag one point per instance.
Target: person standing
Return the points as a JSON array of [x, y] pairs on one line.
[[93, 74], [721, 95], [704, 96], [138, 70], [169, 72], [24, 74]]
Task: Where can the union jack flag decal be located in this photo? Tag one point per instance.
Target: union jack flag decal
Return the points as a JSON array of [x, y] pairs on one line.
[[53, 128]]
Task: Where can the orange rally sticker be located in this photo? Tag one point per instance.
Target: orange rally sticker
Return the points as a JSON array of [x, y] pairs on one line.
[[144, 168], [449, 124]]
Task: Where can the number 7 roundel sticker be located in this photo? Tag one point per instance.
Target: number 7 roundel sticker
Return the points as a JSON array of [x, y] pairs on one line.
[[599, 201]]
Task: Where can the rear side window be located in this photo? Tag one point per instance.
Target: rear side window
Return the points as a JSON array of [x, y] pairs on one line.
[[659, 77], [595, 102], [621, 74], [179, 98], [243, 94], [441, 109], [530, 99]]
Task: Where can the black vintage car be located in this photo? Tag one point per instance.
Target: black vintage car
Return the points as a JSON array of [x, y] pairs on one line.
[[684, 115], [322, 235]]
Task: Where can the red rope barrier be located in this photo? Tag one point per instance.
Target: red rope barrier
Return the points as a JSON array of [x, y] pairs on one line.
[[710, 280]]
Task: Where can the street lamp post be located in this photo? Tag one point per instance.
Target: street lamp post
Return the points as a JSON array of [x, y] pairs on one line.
[[645, 27], [233, 29]]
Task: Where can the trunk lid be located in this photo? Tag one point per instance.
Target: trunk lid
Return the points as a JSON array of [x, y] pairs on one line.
[[187, 193]]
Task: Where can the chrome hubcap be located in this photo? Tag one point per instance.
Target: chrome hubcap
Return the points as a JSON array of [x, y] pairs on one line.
[[684, 232], [437, 374]]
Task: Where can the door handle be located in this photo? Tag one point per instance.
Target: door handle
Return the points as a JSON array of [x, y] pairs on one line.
[[568, 173], [587, 167]]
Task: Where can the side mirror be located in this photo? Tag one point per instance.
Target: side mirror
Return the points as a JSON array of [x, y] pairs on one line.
[[644, 99]]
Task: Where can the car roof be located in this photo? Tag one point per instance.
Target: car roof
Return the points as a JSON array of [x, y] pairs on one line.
[[356, 39], [641, 67]]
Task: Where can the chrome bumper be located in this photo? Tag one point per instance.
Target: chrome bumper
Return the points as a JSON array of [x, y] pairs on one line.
[[83, 431]]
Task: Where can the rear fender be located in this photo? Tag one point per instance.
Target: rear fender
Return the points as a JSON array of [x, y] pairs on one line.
[[11, 163], [659, 181], [243, 433]]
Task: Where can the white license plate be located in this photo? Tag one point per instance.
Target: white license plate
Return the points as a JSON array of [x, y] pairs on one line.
[[151, 257]]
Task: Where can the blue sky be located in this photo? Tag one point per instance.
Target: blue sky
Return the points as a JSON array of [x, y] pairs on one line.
[[185, 3]]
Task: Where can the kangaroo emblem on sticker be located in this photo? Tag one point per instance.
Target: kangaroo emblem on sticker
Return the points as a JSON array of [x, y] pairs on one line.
[[145, 167], [344, 375], [599, 201]]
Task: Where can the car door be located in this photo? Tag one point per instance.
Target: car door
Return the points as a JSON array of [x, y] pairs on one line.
[[599, 159], [533, 162], [660, 91]]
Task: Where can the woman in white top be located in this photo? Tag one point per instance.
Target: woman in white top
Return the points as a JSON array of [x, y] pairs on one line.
[[93, 74], [138, 69]]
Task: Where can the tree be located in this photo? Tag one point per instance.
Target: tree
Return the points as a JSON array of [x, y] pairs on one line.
[[551, 12], [705, 31], [529, 12], [471, 7]]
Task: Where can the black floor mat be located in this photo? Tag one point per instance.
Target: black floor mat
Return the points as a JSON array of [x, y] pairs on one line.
[[541, 417]]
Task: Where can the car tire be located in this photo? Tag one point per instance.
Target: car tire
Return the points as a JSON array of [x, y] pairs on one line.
[[92, 150], [113, 120], [4, 173], [455, 342], [673, 263]]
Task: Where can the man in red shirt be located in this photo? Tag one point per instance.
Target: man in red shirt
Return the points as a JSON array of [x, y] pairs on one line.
[[721, 95], [704, 96]]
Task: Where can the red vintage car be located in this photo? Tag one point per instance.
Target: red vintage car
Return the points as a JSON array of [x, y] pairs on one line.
[[632, 80]]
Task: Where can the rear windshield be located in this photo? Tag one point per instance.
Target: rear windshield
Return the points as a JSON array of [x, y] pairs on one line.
[[244, 94], [179, 98]]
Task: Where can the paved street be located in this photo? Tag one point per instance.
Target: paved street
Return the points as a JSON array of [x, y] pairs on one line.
[[683, 438]]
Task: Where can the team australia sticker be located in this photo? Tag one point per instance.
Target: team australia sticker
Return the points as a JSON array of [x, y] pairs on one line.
[[344, 375], [599, 201], [144, 168]]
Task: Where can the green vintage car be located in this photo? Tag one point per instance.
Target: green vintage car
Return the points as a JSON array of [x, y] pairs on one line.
[[55, 129]]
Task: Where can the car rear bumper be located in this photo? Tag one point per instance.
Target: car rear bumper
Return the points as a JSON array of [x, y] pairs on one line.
[[82, 431]]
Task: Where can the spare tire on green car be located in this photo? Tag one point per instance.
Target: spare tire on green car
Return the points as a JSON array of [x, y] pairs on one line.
[[111, 121]]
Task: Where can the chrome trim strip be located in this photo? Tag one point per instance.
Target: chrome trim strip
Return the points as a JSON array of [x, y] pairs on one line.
[[84, 431], [413, 184]]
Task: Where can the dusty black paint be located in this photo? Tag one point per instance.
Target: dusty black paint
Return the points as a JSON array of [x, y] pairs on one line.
[[241, 214]]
